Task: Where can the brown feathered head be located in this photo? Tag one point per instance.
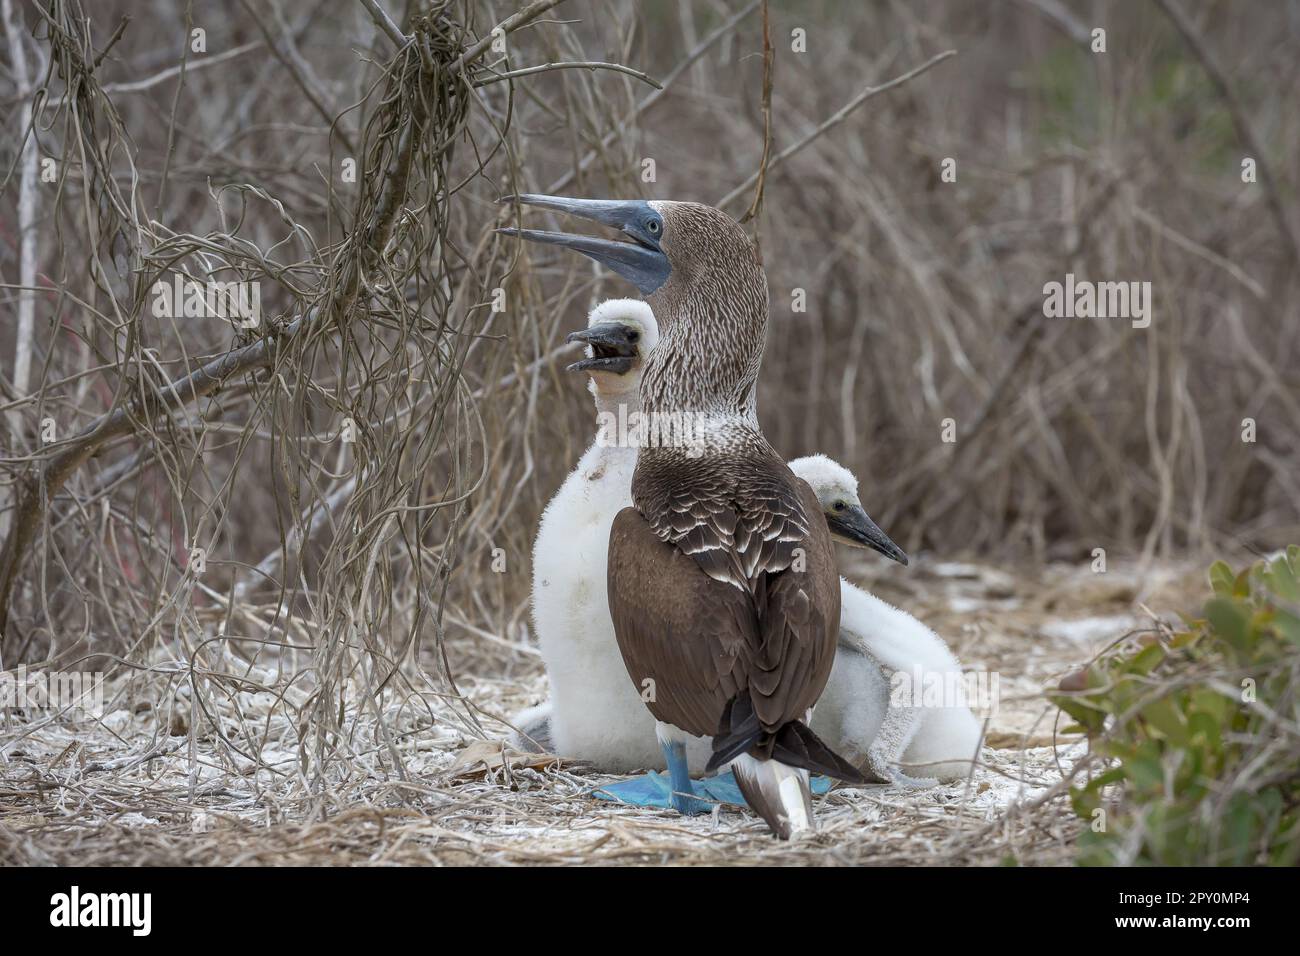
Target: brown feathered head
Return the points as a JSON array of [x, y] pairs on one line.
[[699, 271]]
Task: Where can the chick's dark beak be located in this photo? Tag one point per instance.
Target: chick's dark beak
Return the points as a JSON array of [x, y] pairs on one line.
[[613, 347], [854, 527]]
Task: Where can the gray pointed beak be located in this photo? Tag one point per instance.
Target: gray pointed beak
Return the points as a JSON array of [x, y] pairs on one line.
[[854, 527], [639, 259], [614, 213], [611, 345]]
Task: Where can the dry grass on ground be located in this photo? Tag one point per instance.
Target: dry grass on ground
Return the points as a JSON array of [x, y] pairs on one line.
[[144, 786]]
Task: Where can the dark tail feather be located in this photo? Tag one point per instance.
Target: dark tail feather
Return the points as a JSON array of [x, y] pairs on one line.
[[738, 733], [794, 744], [797, 746]]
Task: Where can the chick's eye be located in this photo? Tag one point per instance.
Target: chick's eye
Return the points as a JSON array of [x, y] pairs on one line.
[[634, 336], [839, 506]]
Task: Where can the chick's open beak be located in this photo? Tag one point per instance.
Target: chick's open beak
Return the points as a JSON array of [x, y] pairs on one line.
[[613, 348]]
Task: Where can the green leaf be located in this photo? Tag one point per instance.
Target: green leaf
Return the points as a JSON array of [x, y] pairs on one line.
[[1241, 586], [1145, 770], [1221, 578], [1288, 625], [1229, 620], [1165, 717], [1281, 580], [1147, 659], [1091, 717]]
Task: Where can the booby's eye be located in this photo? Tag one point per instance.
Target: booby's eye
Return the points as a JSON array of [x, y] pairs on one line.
[[653, 227], [839, 506]]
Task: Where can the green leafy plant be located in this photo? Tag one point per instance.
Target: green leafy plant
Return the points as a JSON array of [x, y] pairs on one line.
[[1195, 734]]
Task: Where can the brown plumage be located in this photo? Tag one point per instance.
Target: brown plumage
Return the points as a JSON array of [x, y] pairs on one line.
[[706, 597], [723, 590]]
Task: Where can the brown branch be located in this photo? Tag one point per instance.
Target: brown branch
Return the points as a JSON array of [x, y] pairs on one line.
[[385, 23], [621, 129], [521, 19], [578, 65], [768, 63], [286, 51], [140, 86], [839, 116], [36, 491], [1027, 325]]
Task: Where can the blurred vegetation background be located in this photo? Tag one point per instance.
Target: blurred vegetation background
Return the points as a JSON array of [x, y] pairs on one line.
[[924, 297]]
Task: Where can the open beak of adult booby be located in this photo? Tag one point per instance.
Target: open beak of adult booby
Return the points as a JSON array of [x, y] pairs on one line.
[[613, 348], [639, 258], [854, 527]]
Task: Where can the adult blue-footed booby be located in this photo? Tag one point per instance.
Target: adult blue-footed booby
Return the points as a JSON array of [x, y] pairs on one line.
[[722, 583]]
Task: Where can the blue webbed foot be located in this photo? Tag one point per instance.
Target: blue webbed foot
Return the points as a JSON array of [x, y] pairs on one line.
[[724, 789], [675, 789], [683, 795], [688, 804], [650, 790]]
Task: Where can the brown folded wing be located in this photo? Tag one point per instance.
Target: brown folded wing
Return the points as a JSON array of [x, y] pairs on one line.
[[745, 599]]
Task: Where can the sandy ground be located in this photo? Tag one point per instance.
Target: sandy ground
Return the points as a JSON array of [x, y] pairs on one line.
[[409, 784]]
